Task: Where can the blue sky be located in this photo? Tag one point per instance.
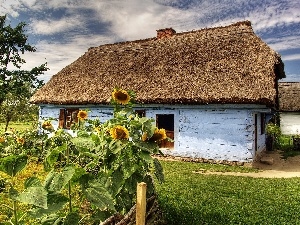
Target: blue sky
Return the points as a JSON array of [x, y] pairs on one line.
[[62, 30]]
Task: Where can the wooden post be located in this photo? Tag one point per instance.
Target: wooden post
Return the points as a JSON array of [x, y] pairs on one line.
[[141, 203]]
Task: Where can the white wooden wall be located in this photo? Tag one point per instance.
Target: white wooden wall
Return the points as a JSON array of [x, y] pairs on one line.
[[290, 123], [210, 132], [215, 134]]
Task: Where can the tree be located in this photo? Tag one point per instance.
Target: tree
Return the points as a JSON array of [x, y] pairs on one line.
[[13, 80], [16, 107]]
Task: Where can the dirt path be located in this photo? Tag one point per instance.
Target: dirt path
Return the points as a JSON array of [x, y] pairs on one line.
[[280, 168]]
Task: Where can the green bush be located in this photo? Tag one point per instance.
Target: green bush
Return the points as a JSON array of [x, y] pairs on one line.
[[273, 131]]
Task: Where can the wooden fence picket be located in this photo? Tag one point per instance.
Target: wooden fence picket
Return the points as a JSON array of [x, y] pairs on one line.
[[141, 203]]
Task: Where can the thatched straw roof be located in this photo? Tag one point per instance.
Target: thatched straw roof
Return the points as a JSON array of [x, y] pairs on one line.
[[214, 65], [289, 96]]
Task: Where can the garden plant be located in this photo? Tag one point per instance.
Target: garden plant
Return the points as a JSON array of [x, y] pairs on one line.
[[88, 176]]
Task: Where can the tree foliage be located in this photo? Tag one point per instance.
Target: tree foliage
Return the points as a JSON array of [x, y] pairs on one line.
[[17, 108], [13, 79]]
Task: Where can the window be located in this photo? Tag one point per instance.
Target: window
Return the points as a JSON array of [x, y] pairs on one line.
[[140, 112], [166, 121], [67, 117]]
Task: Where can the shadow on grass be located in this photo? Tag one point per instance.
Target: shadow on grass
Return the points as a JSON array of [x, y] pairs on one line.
[[192, 216]]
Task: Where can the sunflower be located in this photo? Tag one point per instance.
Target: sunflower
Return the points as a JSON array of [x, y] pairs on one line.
[[159, 135], [82, 115], [20, 140], [144, 137], [47, 126], [121, 96], [119, 132], [2, 139], [97, 129]]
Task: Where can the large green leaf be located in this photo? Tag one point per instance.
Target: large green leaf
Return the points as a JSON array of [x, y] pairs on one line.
[[51, 158], [35, 196], [79, 172], [82, 133], [55, 202], [150, 147], [146, 156], [159, 172], [97, 194], [52, 219], [101, 215], [131, 182], [129, 169], [56, 181], [72, 218], [13, 164], [95, 138], [13, 194], [115, 146], [148, 179], [32, 182], [115, 182], [124, 201]]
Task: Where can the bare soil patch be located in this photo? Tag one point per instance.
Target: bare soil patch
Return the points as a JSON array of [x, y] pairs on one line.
[[280, 168]]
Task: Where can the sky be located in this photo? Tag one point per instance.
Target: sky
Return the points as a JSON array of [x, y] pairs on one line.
[[63, 30]]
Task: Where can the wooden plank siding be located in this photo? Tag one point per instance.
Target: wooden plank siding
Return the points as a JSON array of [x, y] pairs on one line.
[[290, 123], [210, 131]]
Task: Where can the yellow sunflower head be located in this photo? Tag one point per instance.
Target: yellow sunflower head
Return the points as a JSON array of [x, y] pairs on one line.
[[121, 96], [47, 126], [159, 135], [2, 139], [82, 115], [144, 137], [97, 129], [119, 132], [21, 140]]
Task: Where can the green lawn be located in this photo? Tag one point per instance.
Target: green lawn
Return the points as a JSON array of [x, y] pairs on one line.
[[191, 198], [17, 126]]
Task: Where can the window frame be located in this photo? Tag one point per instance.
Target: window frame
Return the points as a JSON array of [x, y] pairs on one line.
[[67, 117]]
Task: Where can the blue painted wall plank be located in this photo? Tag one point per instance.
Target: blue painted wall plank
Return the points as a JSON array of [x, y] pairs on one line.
[[203, 132]]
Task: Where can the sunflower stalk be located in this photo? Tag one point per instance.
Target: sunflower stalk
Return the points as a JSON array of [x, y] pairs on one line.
[[69, 182], [15, 208]]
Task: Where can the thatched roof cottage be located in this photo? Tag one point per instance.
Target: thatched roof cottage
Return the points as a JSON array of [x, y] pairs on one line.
[[211, 88], [289, 107]]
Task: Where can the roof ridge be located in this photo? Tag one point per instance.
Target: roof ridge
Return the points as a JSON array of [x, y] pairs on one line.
[[237, 24]]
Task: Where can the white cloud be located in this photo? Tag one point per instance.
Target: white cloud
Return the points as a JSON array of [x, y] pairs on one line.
[[133, 18], [275, 14], [285, 43], [9, 7], [55, 26], [291, 57], [58, 55]]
